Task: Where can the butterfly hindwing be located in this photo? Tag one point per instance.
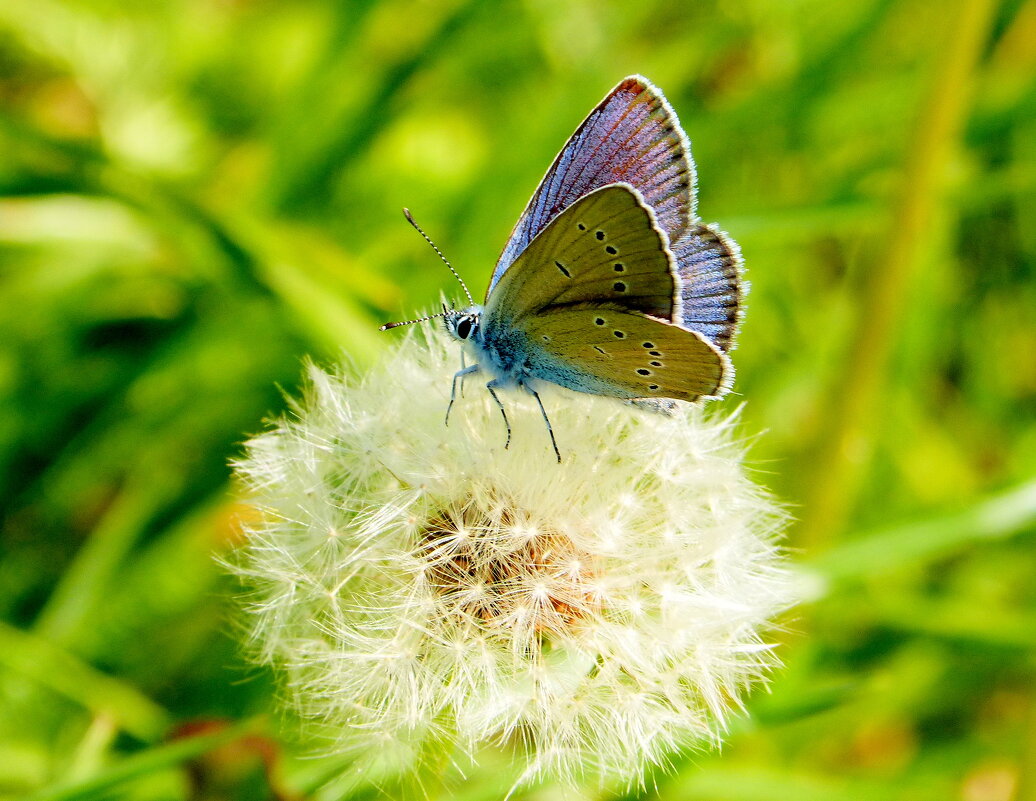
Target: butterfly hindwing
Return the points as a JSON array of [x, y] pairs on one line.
[[632, 136], [711, 288], [604, 248], [611, 351]]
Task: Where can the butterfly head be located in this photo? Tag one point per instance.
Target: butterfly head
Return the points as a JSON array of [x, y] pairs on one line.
[[463, 324]]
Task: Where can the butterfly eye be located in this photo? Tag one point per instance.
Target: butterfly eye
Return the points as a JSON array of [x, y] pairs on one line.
[[464, 326]]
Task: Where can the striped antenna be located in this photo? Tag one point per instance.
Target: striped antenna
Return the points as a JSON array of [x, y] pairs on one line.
[[471, 300], [387, 326]]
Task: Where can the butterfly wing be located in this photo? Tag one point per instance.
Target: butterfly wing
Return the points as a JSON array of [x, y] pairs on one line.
[[632, 136], [604, 248], [711, 288], [606, 350]]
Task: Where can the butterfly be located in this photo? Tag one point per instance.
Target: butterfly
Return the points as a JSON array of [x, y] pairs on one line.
[[609, 283]]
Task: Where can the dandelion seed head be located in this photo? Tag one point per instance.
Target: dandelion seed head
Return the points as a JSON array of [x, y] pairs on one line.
[[410, 580]]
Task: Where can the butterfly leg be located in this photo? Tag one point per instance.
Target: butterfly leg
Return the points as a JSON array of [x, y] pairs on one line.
[[453, 389], [491, 386], [546, 420]]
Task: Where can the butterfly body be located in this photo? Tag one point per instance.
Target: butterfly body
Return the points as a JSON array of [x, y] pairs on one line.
[[512, 359], [609, 283]]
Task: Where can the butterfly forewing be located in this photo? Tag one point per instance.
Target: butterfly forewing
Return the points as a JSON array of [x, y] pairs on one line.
[[633, 136], [604, 248], [611, 351]]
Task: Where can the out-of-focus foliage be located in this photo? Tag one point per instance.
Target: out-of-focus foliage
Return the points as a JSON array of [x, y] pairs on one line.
[[195, 194]]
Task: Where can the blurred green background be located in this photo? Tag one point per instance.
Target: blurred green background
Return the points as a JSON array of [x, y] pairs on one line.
[[195, 194]]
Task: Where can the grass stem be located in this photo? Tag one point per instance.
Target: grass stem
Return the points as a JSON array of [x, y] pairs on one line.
[[847, 442]]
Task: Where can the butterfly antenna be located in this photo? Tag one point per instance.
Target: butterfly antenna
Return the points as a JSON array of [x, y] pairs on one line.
[[387, 326], [428, 239]]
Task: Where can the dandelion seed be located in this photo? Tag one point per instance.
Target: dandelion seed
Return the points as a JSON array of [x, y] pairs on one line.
[[412, 582]]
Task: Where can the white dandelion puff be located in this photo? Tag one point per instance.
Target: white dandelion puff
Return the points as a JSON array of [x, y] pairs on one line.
[[412, 581]]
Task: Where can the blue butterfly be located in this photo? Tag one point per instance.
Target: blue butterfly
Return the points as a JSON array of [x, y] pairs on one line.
[[609, 283]]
